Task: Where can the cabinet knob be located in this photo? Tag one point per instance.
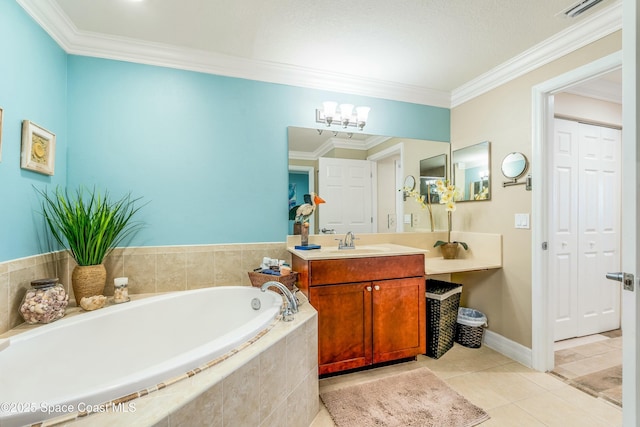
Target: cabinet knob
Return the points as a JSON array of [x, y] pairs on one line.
[[369, 288], [376, 287]]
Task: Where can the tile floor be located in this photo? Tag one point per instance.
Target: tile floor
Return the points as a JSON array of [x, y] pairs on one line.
[[512, 394], [592, 364]]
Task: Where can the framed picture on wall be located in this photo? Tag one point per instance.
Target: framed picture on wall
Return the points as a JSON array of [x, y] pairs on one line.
[[1, 111], [38, 148]]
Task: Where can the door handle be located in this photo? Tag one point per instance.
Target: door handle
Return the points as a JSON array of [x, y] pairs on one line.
[[618, 276], [627, 279]]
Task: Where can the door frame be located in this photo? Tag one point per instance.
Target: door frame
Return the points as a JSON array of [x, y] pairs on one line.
[[543, 304], [397, 149], [311, 172]]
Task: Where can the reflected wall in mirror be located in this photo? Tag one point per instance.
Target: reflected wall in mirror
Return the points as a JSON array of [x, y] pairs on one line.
[[471, 171], [356, 200], [514, 165], [431, 170]]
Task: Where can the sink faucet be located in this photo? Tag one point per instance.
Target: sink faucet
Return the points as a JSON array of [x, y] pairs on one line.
[[348, 241], [291, 305]]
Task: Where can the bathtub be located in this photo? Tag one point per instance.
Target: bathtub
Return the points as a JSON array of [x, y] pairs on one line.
[[80, 362]]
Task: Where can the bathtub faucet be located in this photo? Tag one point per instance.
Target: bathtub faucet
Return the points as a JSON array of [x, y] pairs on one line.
[[291, 305]]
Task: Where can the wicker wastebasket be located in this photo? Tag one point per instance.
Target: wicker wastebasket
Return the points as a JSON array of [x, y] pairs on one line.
[[470, 327], [443, 300]]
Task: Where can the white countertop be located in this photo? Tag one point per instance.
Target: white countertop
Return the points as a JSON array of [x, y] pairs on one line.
[[435, 266], [485, 249], [361, 251]]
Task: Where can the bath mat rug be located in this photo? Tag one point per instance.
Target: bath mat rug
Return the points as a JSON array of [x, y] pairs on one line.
[[414, 398]]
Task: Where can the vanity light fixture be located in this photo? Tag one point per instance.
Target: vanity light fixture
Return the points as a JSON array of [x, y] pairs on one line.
[[336, 133], [345, 115]]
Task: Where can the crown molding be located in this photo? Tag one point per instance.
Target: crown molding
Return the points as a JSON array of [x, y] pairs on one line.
[[331, 143], [73, 41], [589, 30], [54, 21], [301, 155], [371, 142]]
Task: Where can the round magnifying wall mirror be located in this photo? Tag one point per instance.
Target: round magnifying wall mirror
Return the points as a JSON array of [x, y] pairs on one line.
[[514, 165], [410, 182]]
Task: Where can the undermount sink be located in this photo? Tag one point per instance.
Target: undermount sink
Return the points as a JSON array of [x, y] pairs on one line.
[[358, 251]]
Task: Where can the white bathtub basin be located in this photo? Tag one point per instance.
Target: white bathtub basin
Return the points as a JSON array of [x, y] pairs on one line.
[[99, 356]]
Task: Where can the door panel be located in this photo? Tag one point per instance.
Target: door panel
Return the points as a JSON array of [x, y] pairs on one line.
[[346, 187], [599, 184], [563, 266], [630, 241], [585, 223], [399, 317], [344, 326]]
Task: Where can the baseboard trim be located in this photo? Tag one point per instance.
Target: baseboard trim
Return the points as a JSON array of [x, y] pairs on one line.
[[511, 349]]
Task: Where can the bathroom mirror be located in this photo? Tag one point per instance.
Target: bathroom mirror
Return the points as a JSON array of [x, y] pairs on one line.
[[431, 170], [410, 182], [471, 172], [514, 165], [391, 160]]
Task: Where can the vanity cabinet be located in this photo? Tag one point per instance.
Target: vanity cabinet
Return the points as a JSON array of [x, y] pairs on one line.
[[370, 310]]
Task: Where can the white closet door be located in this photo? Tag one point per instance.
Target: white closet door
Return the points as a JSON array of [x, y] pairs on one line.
[[598, 229], [346, 187], [586, 220], [563, 241]]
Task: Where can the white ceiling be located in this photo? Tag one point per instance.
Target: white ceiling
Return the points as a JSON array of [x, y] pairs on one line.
[[419, 50], [306, 143]]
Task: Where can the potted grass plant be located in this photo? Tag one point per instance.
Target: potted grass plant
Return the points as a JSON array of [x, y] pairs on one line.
[[88, 224]]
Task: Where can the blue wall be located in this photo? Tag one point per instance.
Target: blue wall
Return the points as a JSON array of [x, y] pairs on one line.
[[209, 153], [33, 79]]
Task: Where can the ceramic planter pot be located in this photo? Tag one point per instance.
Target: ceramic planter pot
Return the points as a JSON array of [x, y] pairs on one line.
[[449, 250]]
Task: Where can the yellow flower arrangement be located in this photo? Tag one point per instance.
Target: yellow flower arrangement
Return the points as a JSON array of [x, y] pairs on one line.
[[448, 194]]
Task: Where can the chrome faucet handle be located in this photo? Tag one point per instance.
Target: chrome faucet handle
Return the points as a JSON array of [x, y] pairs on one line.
[[290, 303], [348, 240], [287, 314]]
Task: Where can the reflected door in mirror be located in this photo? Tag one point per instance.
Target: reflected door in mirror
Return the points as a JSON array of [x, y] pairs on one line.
[[346, 187]]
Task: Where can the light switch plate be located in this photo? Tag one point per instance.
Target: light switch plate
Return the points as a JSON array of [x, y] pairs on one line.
[[522, 220], [391, 220]]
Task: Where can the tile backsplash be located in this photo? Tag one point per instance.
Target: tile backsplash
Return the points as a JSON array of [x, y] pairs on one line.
[[149, 269]]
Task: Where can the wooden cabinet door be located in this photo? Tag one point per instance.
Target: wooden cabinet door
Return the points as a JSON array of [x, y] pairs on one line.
[[399, 319], [344, 326]]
